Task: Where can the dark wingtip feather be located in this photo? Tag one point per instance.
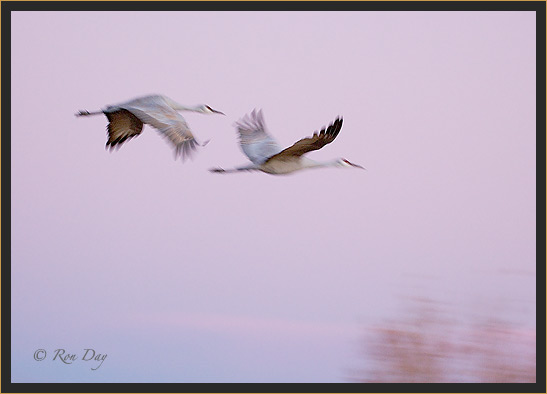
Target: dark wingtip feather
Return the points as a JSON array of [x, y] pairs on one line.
[[186, 149]]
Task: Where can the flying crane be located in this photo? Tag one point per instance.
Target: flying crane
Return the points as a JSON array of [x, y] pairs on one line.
[[126, 120], [267, 155]]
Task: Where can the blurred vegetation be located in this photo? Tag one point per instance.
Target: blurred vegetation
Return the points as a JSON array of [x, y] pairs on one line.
[[425, 347]]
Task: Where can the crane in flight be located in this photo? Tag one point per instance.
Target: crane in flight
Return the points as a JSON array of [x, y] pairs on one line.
[[126, 120], [267, 155]]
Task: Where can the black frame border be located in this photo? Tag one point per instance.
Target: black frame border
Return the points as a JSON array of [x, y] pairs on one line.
[[7, 7]]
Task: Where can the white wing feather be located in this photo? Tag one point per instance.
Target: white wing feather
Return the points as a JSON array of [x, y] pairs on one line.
[[254, 140]]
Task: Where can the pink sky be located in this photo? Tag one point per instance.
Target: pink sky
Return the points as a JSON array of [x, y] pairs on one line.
[[183, 275]]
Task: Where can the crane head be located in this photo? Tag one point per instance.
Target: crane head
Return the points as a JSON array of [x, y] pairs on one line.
[[346, 163], [205, 109]]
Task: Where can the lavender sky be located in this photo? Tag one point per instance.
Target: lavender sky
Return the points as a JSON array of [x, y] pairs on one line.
[[181, 275]]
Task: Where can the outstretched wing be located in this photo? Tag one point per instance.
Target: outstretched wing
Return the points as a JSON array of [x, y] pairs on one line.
[[153, 110], [254, 140], [315, 142], [122, 126]]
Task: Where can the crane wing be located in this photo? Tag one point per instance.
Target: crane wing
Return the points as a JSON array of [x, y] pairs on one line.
[[254, 140], [169, 123], [315, 142], [122, 126]]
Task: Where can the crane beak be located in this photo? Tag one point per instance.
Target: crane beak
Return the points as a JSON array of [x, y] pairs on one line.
[[218, 112]]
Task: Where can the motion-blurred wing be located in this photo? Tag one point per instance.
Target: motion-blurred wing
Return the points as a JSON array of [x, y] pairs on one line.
[[254, 140], [170, 124], [122, 126], [315, 142]]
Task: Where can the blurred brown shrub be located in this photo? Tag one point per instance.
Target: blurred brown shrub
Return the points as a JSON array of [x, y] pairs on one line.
[[425, 347]]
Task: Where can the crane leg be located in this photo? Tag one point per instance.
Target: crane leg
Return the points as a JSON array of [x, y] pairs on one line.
[[251, 167], [84, 112]]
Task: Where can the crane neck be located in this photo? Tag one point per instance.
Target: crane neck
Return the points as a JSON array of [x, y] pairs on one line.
[[179, 107], [309, 163]]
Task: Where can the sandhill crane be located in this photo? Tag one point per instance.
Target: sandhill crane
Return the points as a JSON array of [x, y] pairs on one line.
[[269, 157], [126, 121]]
